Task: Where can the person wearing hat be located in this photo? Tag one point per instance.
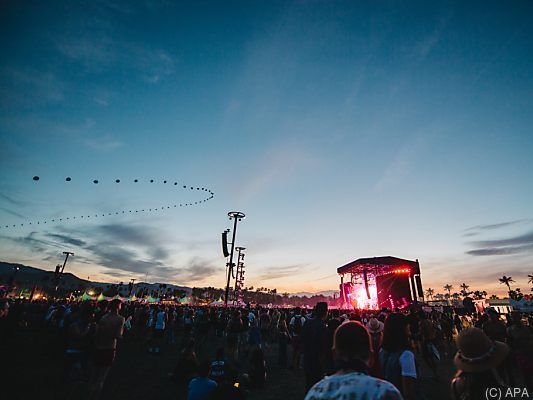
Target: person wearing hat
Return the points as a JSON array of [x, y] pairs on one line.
[[480, 364], [375, 329]]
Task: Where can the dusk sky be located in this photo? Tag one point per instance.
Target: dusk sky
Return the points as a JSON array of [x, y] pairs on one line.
[[342, 129]]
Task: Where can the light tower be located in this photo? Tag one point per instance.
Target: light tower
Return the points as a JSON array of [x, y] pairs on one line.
[[239, 275], [235, 216]]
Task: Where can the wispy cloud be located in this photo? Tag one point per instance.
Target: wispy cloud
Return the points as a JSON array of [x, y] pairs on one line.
[[512, 241], [500, 251], [67, 239], [11, 212], [426, 44], [13, 201], [197, 270], [44, 86], [106, 143], [280, 163], [99, 53], [272, 273], [401, 165], [513, 245], [475, 230]]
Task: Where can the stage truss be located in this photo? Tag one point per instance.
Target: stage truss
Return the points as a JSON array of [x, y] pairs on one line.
[[358, 288]]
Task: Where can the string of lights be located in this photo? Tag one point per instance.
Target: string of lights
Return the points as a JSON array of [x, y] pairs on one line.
[[43, 221]]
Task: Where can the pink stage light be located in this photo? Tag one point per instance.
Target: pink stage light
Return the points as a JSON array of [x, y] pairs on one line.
[[359, 300]]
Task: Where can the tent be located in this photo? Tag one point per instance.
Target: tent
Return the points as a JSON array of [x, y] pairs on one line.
[[85, 297]]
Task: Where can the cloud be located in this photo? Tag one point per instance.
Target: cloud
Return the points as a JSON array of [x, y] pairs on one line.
[[100, 53], [424, 47], [273, 273], [498, 251], [106, 143], [67, 239], [140, 250], [280, 164], [16, 214], [513, 245], [198, 270], [129, 249], [475, 230], [18, 83], [13, 201], [118, 257], [401, 165], [516, 240], [32, 242], [121, 250]]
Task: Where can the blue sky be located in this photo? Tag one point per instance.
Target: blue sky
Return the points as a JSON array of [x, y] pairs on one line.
[[342, 130]]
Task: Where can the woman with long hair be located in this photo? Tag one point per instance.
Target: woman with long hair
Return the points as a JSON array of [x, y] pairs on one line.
[[396, 359]]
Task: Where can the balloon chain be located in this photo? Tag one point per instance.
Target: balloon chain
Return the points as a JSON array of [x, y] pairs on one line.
[[125, 212]]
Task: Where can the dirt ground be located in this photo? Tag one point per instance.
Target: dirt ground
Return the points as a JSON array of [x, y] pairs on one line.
[[34, 371]]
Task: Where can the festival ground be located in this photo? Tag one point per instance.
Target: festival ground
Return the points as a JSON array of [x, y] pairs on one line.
[[35, 372]]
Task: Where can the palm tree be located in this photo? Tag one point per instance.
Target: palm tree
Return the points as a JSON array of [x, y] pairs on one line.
[[448, 287], [506, 280], [430, 292], [530, 278], [480, 294], [464, 289]]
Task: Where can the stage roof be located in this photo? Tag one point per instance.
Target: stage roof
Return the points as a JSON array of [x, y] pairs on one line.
[[378, 262]]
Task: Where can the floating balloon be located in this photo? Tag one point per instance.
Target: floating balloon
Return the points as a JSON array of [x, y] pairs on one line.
[[96, 181]]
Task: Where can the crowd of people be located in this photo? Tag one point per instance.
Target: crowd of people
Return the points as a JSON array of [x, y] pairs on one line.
[[344, 354]]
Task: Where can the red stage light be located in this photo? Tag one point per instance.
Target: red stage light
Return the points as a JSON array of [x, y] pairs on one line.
[[402, 270]]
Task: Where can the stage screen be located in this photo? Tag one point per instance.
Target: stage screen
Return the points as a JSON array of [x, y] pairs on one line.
[[393, 290]]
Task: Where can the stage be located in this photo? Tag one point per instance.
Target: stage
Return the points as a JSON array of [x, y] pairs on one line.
[[378, 282]]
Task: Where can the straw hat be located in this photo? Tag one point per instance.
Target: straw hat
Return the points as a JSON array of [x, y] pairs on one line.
[[477, 353], [374, 326]]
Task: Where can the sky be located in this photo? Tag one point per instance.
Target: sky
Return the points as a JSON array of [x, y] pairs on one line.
[[341, 129]]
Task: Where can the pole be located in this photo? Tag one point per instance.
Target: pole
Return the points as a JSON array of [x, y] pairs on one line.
[[230, 267], [237, 216], [66, 253]]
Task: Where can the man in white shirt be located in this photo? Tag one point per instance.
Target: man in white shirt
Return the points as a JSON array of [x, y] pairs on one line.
[[352, 351]]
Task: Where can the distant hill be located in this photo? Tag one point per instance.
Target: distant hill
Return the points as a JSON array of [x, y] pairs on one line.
[[28, 276]]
